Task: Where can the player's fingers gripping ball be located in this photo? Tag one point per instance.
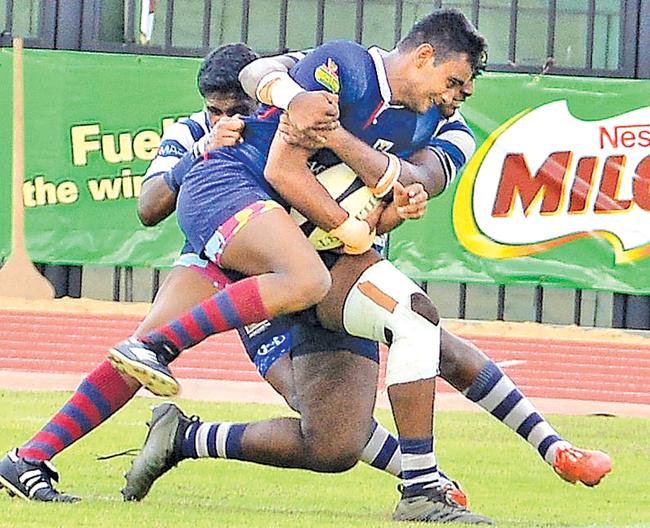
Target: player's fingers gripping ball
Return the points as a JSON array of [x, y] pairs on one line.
[[358, 200]]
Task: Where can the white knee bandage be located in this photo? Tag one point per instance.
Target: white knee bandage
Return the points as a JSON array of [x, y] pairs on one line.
[[382, 306]]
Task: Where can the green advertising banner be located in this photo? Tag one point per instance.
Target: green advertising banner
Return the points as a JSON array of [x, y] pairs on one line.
[[6, 79], [557, 193], [92, 125]]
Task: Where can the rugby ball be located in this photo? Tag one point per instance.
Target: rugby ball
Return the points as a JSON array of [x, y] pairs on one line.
[[349, 192]]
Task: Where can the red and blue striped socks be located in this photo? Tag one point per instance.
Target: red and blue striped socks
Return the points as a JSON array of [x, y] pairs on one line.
[[236, 306], [99, 396]]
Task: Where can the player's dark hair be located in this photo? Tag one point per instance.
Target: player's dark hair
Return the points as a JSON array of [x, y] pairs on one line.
[[449, 32], [220, 70]]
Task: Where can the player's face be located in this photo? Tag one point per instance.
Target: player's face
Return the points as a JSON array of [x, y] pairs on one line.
[[220, 104], [435, 82], [447, 110]]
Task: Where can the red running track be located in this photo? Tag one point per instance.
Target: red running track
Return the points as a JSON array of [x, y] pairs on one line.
[[606, 370]]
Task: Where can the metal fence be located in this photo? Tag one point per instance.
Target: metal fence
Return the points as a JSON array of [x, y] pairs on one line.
[[583, 37], [463, 301], [578, 37]]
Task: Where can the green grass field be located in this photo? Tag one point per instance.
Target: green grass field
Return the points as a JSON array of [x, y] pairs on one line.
[[504, 477]]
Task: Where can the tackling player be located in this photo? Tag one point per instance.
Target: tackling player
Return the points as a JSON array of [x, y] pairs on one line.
[[239, 430], [382, 99], [27, 471], [469, 369]]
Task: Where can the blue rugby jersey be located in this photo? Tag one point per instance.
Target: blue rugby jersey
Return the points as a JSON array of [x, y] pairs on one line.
[[359, 78], [451, 140], [454, 144]]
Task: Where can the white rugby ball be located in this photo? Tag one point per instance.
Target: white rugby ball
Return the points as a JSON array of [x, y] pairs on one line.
[[349, 192]]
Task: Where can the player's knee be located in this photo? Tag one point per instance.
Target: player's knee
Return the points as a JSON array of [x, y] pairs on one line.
[[317, 284], [343, 462], [335, 450], [328, 460], [307, 288]]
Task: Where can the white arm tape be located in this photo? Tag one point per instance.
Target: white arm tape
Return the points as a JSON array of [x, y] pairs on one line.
[[282, 90], [390, 176], [381, 300]]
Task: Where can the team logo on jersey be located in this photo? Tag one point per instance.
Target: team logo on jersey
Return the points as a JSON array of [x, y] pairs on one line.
[[171, 148], [328, 75], [586, 179], [383, 145]]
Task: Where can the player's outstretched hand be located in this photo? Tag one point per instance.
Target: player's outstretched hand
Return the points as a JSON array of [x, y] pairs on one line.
[[411, 201], [314, 111]]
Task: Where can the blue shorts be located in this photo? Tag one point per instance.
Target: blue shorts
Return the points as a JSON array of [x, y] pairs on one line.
[[218, 197], [299, 334], [268, 341], [310, 337]]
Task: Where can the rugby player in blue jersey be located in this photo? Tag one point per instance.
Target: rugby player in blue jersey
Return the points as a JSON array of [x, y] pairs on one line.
[[227, 210], [239, 441]]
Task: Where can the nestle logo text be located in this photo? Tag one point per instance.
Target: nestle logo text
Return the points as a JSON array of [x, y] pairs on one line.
[[626, 136]]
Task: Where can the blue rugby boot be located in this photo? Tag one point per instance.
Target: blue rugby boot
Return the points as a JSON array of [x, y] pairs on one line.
[[147, 363], [160, 452], [31, 479]]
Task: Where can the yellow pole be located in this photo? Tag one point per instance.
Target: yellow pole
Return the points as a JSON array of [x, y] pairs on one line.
[[19, 277]]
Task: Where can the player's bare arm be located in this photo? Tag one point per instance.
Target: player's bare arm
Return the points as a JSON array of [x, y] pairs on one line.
[[286, 170], [156, 202], [375, 167], [268, 81]]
